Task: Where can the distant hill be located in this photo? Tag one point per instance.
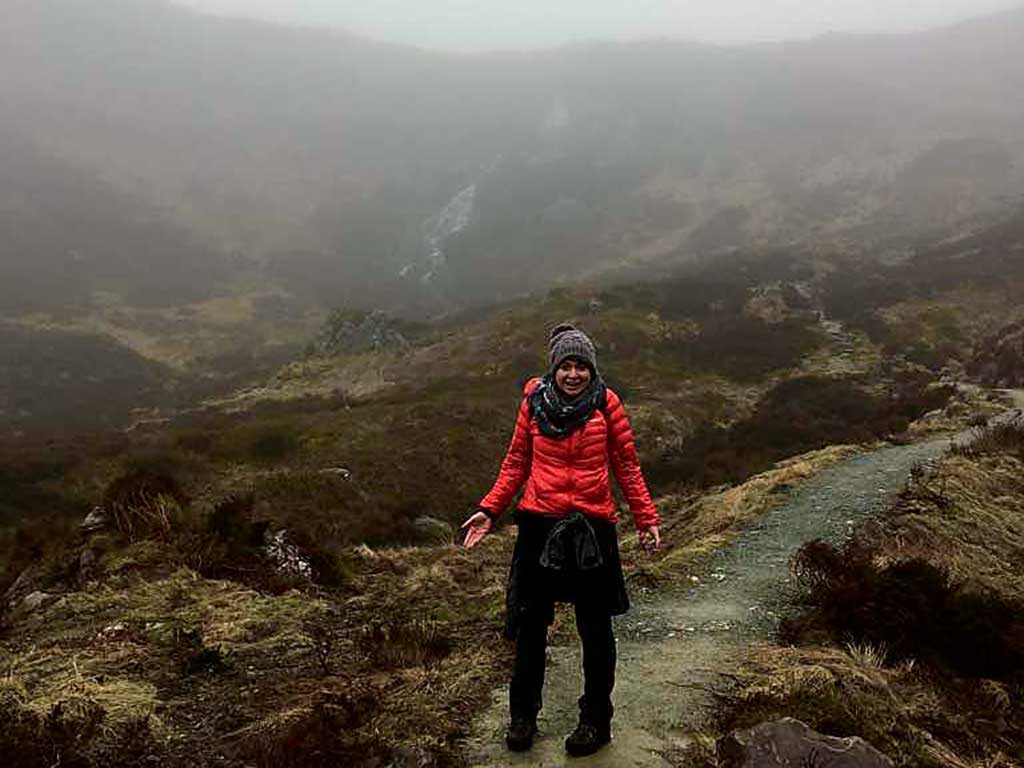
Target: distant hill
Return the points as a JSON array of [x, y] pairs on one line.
[[371, 175], [67, 233]]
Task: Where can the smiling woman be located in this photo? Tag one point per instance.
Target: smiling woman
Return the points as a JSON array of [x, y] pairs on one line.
[[570, 429]]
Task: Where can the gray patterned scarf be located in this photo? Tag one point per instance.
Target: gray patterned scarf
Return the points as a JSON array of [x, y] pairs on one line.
[[557, 416]]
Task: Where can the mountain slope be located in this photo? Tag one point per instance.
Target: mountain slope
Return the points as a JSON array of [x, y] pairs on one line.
[[68, 234], [333, 158]]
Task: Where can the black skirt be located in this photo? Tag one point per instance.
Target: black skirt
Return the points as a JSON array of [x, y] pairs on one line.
[[534, 588]]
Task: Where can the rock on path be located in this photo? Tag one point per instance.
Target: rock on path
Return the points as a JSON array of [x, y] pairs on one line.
[[671, 646]]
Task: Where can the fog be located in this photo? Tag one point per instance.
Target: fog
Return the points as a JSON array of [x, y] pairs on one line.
[[490, 24], [384, 176], [204, 189]]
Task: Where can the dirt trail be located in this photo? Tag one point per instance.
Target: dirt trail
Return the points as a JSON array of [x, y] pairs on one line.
[[671, 646]]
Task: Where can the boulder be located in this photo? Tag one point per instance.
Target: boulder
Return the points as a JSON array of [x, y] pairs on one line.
[[36, 600], [96, 520], [789, 742], [354, 332], [430, 530]]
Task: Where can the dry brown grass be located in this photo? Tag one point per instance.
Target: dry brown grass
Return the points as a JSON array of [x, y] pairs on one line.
[[898, 709], [968, 518], [964, 518], [418, 633]]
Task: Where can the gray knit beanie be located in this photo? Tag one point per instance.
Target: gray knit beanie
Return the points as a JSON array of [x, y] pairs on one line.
[[568, 341]]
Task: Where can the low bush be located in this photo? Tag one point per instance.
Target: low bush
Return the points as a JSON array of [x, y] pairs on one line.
[[797, 415], [75, 732], [911, 608], [273, 443], [144, 502], [231, 542], [42, 542], [327, 735], [1001, 438], [400, 645], [194, 656], [746, 348], [268, 434]]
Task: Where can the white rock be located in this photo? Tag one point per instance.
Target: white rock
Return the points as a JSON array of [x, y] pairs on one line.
[[36, 600], [95, 520], [343, 472], [286, 557]]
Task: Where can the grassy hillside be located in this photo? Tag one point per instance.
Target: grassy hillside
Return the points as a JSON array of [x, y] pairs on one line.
[[934, 303], [276, 578], [911, 636]]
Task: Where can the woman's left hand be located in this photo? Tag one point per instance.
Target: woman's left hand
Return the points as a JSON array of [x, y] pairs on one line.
[[650, 538], [476, 527]]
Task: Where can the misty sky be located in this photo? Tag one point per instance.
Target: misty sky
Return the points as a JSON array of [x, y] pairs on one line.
[[483, 24]]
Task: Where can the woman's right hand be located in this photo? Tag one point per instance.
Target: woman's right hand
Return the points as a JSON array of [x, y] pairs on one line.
[[479, 525]]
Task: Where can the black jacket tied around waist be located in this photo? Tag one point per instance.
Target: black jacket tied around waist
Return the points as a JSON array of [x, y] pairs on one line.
[[571, 544], [569, 559]]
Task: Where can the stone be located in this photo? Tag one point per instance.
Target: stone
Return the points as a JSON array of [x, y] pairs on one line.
[[288, 560], [86, 564], [36, 600], [343, 472], [430, 530], [353, 332], [96, 520], [789, 742]]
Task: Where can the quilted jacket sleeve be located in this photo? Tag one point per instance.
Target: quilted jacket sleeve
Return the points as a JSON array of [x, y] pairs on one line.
[[515, 467], [626, 464]]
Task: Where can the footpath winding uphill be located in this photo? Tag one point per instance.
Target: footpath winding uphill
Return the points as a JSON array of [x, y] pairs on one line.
[[672, 647]]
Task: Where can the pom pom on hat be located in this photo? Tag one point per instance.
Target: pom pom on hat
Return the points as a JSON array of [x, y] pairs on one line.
[[558, 330]]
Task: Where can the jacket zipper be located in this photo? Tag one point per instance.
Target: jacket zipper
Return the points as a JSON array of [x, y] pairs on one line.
[[572, 472]]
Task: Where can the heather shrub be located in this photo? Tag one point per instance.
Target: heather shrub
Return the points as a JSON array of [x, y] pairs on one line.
[[912, 608], [144, 502]]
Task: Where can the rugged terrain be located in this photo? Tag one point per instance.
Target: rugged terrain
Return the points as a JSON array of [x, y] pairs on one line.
[[230, 486], [684, 644], [275, 578]]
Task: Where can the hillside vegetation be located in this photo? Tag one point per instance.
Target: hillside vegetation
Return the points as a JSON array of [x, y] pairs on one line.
[[274, 578], [243, 605], [911, 636]]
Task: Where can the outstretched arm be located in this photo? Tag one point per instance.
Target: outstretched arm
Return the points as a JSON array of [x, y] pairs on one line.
[[626, 466], [514, 469]]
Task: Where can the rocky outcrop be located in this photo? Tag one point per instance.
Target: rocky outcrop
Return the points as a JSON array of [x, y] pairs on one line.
[[789, 742], [355, 332]]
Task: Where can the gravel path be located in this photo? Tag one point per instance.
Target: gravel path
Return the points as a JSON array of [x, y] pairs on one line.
[[671, 645]]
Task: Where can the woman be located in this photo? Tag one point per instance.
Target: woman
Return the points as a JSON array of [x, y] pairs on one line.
[[569, 430]]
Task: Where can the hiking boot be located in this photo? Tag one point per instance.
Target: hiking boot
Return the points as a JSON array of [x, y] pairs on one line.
[[587, 739], [520, 733]]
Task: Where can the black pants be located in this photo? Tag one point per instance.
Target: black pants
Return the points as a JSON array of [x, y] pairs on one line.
[[594, 624]]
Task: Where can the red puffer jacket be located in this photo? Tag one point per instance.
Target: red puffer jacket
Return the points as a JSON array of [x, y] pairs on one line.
[[572, 473]]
